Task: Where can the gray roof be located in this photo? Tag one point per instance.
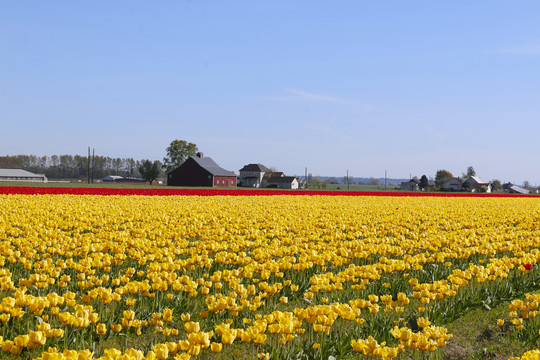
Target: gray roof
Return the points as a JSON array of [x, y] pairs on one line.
[[255, 167], [18, 173], [210, 165], [112, 178], [519, 189], [281, 179]]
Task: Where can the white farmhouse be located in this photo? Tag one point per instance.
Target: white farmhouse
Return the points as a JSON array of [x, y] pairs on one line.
[[474, 183], [252, 175]]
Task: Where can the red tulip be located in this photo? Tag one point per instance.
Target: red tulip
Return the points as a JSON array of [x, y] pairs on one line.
[[527, 266]]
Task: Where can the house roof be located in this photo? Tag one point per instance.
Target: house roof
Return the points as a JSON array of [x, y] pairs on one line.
[[255, 167], [475, 179], [9, 162], [210, 165], [281, 179], [18, 173]]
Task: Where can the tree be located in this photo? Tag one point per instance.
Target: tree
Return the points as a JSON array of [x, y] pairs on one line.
[[317, 181], [373, 181], [496, 185], [470, 172], [149, 171], [441, 176], [348, 180], [424, 182], [526, 184], [333, 180], [177, 152]]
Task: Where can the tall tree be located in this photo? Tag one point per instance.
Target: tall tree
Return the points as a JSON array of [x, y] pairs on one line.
[[441, 176], [470, 172], [496, 185], [149, 170], [177, 152], [424, 182]]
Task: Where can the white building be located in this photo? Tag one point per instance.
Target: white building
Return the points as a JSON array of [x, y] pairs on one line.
[[474, 184], [283, 182], [252, 175], [453, 184]]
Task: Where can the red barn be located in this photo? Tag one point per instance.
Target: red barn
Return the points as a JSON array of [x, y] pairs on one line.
[[201, 171]]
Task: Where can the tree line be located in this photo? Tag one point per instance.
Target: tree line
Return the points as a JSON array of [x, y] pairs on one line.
[[76, 166]]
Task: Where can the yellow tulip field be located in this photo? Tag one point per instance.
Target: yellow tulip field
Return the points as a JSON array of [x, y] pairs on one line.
[[261, 277]]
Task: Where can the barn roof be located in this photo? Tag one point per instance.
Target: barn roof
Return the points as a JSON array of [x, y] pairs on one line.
[[210, 165], [18, 173], [255, 167]]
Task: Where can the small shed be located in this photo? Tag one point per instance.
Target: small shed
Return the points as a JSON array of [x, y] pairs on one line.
[[201, 171]]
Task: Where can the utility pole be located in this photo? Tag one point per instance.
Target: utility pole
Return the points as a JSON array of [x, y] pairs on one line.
[[89, 165], [93, 162], [348, 179], [384, 179]]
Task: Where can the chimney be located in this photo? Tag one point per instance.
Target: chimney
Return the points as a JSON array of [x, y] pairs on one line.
[[200, 155]]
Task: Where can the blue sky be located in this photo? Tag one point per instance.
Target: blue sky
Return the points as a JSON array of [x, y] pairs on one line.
[[365, 86]]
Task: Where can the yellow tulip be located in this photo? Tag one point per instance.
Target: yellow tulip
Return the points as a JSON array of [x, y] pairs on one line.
[[216, 347], [192, 327]]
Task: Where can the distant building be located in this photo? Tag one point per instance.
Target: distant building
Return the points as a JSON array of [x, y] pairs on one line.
[[514, 189], [252, 175], [11, 170], [453, 184], [475, 184], [121, 179], [412, 185], [201, 171], [283, 182], [112, 178]]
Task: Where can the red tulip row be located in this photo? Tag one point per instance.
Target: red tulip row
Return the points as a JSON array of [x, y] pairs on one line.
[[37, 190]]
